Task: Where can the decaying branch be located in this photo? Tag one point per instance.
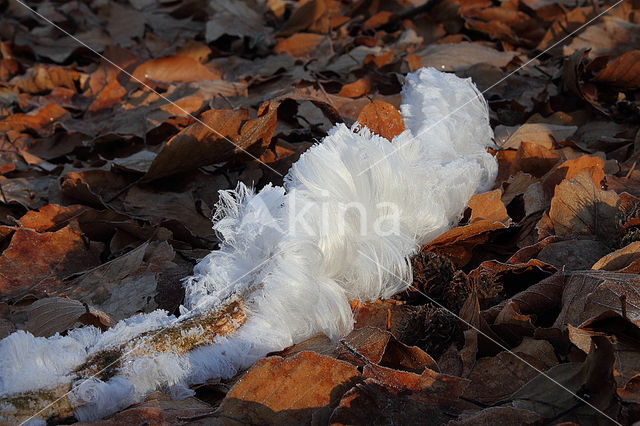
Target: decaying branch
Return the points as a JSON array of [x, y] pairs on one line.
[[181, 337]]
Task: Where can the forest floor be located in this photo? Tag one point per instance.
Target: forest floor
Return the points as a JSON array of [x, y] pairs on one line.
[[528, 312]]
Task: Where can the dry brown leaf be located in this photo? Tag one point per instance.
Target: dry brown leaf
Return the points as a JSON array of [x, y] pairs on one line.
[[103, 82], [36, 263], [623, 71], [459, 243], [543, 134], [93, 187], [620, 259], [197, 145], [158, 409], [303, 17], [498, 416], [494, 379], [173, 69], [590, 294], [562, 26], [594, 376], [611, 35], [570, 168], [535, 159], [515, 186], [511, 325], [580, 209], [295, 389], [390, 315], [30, 192], [370, 400], [382, 118], [503, 23], [488, 206], [126, 285], [300, 44], [461, 56], [573, 254], [537, 299], [52, 315], [51, 217], [430, 386], [45, 77], [356, 89], [41, 120]]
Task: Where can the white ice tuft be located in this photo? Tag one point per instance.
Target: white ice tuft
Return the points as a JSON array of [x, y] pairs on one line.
[[291, 254]]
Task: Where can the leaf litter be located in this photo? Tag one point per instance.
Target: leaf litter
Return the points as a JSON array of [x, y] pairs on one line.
[[107, 193]]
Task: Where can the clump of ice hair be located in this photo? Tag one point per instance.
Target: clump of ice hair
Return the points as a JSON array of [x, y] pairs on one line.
[[284, 255]]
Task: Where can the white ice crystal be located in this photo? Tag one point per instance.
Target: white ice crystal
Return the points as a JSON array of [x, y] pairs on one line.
[[353, 209]]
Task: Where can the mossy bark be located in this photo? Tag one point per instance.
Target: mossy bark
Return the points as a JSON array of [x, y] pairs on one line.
[[181, 337]]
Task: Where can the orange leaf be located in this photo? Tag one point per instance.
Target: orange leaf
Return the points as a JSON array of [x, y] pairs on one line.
[[358, 88], [624, 71], [301, 44], [382, 118], [173, 69], [291, 390], [36, 262]]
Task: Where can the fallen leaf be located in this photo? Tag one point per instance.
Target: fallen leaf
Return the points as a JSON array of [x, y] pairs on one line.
[[488, 206], [594, 377], [623, 71], [59, 49], [127, 284], [51, 217], [535, 159], [356, 89], [29, 192], [197, 145], [590, 294], [580, 209], [494, 379], [294, 389], [138, 162], [459, 243], [52, 315], [503, 23], [538, 299], [571, 168], [430, 387], [37, 262], [173, 69], [538, 133], [460, 56], [370, 400], [303, 17], [235, 18], [157, 408], [42, 77], [125, 24], [382, 118], [573, 254], [609, 36], [498, 415], [93, 187], [620, 259], [41, 120], [300, 44]]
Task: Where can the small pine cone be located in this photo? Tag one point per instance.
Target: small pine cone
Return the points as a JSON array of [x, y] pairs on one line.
[[441, 329], [436, 276]]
